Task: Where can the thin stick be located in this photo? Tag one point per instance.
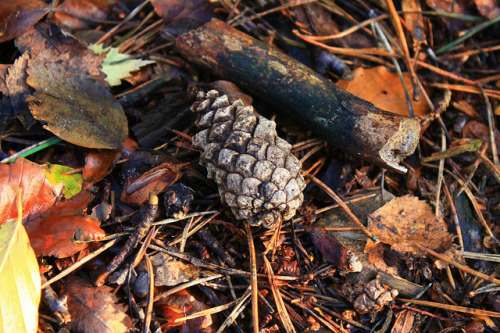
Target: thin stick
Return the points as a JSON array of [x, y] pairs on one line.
[[464, 268], [457, 308], [149, 307], [240, 306], [491, 127], [253, 279], [280, 305], [81, 262], [346, 209]]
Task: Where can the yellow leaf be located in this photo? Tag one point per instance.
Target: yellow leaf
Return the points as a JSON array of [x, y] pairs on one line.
[[19, 280], [116, 65]]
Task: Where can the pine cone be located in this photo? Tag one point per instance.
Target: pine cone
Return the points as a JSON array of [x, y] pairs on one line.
[[257, 176]]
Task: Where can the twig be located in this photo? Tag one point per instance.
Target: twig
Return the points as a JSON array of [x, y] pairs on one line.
[[240, 306], [81, 262], [464, 268], [491, 126], [132, 242], [476, 312], [280, 305], [149, 307], [346, 209], [253, 279]]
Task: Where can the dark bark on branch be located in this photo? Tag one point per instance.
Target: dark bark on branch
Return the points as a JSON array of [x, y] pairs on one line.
[[346, 121]]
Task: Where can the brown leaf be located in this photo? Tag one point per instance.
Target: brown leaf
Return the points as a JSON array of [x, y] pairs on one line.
[[384, 89], [75, 107], [414, 20], [170, 10], [153, 181], [408, 220], [488, 8], [48, 44], [17, 16], [38, 194], [478, 130], [171, 272], [86, 11], [61, 230], [16, 91], [94, 309], [98, 164]]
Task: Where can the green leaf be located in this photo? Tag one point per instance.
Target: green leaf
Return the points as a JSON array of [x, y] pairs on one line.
[[72, 183], [116, 65]]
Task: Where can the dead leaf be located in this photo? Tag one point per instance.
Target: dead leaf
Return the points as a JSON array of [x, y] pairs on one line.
[[17, 16], [153, 181], [98, 164], [19, 280], [75, 107], [81, 14], [414, 20], [38, 194], [376, 257], [488, 8], [94, 309], [170, 10], [61, 230], [384, 89], [183, 304], [334, 251], [171, 272], [449, 6], [407, 220], [16, 91], [478, 130], [46, 43]]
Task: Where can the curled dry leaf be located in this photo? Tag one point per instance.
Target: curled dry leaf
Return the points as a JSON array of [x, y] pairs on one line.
[[19, 280], [94, 309], [171, 272], [62, 230], [75, 107], [38, 194], [183, 304], [98, 164], [408, 220], [154, 181], [384, 89]]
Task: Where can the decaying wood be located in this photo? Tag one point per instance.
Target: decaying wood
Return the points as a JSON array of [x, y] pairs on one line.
[[348, 122]]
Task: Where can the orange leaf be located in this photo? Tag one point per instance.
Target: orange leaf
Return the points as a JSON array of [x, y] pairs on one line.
[[38, 194], [57, 232], [384, 89], [98, 164], [407, 220]]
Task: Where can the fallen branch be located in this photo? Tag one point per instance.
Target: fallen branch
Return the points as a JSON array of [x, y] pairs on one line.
[[346, 121]]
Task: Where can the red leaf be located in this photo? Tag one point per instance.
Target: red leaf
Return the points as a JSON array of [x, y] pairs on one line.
[[38, 194]]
